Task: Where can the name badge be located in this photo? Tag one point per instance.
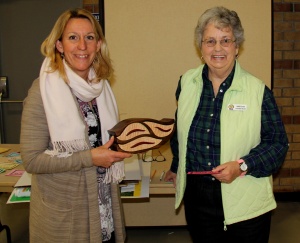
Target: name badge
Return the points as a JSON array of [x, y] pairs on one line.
[[237, 107]]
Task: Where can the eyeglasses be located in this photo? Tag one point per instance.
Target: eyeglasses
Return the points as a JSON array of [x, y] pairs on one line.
[[223, 42], [149, 158]]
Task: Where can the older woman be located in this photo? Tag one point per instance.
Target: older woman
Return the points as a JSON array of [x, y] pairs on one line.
[[64, 139], [228, 125]]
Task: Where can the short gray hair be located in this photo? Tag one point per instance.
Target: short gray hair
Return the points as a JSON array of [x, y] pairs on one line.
[[222, 18]]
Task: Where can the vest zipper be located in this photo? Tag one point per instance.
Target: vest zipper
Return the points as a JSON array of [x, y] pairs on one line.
[[225, 227]]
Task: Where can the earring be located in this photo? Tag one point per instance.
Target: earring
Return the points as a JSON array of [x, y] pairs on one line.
[[96, 60], [62, 55]]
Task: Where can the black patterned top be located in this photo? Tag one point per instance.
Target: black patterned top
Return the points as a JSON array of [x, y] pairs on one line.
[[91, 117]]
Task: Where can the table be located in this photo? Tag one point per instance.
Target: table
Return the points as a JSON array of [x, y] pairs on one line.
[[7, 182], [12, 213], [157, 210]]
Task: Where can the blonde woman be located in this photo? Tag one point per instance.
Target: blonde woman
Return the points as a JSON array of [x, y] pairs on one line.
[[64, 139]]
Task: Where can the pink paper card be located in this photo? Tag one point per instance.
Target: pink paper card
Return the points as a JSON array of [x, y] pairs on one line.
[[202, 173], [15, 173]]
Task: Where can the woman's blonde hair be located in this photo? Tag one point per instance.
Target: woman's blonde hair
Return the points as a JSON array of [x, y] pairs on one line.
[[101, 64]]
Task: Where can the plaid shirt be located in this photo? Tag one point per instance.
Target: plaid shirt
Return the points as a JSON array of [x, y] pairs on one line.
[[203, 146]]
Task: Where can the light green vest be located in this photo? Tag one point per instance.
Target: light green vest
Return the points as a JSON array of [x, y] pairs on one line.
[[246, 197]]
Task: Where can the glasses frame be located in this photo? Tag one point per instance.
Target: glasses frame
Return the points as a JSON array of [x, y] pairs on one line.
[[226, 42], [153, 158]]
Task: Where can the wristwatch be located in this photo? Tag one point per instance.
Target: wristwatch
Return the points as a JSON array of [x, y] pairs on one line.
[[243, 166]]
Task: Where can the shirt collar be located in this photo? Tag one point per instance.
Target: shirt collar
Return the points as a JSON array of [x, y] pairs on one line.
[[228, 80]]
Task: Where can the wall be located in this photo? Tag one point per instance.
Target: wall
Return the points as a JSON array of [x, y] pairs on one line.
[[152, 44], [286, 85]]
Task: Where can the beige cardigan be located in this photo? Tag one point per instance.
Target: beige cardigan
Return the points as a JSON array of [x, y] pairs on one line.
[[64, 191]]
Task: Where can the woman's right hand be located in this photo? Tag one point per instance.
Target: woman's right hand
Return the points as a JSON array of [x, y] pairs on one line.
[[104, 157], [171, 177]]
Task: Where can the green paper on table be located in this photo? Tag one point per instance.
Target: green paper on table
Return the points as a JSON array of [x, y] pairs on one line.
[[20, 195]]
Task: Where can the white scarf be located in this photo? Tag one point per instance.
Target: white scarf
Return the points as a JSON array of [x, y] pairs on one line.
[[67, 129]]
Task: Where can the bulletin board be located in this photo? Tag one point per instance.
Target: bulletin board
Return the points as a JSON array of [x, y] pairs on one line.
[[151, 44]]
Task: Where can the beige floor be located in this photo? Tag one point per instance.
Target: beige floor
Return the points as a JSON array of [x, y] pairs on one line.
[[285, 226]]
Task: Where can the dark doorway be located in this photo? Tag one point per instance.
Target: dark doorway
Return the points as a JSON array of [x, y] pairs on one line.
[[24, 24]]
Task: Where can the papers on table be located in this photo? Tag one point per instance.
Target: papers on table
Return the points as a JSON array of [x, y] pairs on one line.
[[21, 192], [137, 178], [135, 184], [7, 164], [15, 173], [20, 195], [132, 169], [2, 150], [25, 180], [10, 161]]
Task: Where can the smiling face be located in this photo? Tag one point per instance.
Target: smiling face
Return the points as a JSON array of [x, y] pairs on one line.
[[219, 59], [79, 45]]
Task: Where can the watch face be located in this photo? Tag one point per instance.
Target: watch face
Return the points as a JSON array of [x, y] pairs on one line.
[[243, 166]]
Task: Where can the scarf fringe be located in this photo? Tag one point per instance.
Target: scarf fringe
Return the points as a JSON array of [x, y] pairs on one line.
[[53, 153], [70, 146], [115, 173], [63, 149]]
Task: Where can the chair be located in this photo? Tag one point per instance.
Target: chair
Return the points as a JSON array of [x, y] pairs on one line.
[[5, 227]]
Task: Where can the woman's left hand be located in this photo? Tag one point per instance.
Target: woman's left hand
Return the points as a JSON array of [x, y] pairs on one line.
[[228, 172]]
